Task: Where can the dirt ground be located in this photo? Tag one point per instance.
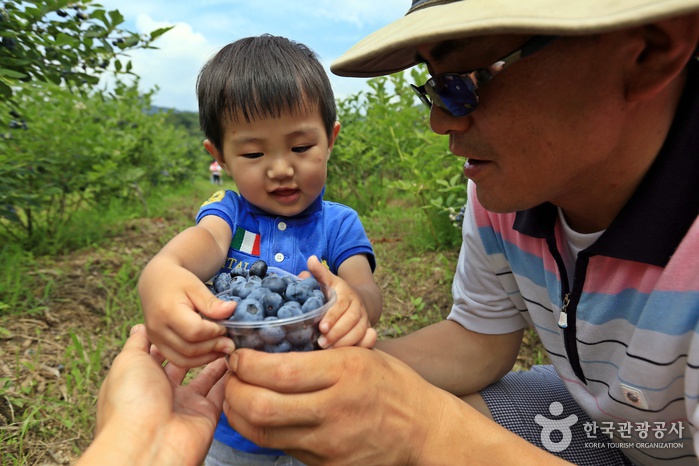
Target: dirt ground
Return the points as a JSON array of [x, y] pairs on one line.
[[416, 293]]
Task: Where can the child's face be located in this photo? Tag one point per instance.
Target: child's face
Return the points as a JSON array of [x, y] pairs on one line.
[[278, 164]]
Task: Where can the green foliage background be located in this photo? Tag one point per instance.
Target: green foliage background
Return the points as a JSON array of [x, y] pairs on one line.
[[64, 42], [386, 151]]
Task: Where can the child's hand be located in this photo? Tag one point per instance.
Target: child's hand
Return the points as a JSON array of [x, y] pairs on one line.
[[347, 322], [172, 298]]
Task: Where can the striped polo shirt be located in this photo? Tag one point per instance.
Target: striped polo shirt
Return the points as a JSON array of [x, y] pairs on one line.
[[629, 354]]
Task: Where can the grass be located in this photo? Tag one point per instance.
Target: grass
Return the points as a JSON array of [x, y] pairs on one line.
[[64, 316]]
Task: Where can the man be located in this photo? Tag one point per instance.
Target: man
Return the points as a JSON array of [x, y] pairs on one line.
[[579, 123]]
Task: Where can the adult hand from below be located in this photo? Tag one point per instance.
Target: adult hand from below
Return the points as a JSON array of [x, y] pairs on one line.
[[144, 415]]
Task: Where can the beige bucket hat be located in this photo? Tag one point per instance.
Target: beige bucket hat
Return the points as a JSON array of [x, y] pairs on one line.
[[392, 48]]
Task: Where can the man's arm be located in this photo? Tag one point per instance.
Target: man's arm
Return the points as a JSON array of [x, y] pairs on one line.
[[454, 358]]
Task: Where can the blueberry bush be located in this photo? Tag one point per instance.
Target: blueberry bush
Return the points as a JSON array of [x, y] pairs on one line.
[[63, 42], [386, 149], [65, 144], [70, 152]]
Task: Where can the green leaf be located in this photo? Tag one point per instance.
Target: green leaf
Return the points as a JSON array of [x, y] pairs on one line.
[[11, 73], [64, 39], [100, 15], [116, 17], [159, 32]]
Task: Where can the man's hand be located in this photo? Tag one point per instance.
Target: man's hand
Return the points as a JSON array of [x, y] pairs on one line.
[[144, 415]]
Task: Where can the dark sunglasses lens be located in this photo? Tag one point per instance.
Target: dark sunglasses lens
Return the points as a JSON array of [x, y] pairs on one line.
[[454, 93]]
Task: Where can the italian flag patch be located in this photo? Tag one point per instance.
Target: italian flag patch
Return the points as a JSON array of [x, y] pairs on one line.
[[246, 241]]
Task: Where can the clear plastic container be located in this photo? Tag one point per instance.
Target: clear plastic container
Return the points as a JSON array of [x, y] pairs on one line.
[[298, 333]]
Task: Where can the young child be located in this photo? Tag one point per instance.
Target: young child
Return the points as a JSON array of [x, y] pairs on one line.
[[268, 112]]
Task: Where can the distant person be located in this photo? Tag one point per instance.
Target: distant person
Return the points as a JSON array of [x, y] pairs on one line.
[[215, 169], [268, 112]]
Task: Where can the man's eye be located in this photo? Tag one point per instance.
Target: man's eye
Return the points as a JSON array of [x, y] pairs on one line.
[[301, 148], [253, 155]]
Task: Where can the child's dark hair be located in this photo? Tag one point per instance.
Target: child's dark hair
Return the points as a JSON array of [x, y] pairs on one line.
[[262, 77]]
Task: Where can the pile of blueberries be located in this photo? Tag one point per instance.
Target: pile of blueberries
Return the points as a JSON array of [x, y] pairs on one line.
[[270, 299]]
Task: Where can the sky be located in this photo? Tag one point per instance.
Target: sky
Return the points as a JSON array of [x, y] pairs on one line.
[[201, 28]]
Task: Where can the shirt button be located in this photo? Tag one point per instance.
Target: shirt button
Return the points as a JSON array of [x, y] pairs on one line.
[[279, 257], [281, 226]]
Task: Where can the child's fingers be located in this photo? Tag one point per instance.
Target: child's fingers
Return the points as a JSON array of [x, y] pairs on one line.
[[186, 354], [369, 340], [192, 341], [350, 338], [321, 272], [209, 305], [348, 330]]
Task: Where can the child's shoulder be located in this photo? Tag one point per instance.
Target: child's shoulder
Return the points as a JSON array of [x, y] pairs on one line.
[[337, 210], [336, 206], [223, 195]]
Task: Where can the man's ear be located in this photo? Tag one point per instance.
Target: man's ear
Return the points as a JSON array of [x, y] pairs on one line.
[[667, 47], [333, 137]]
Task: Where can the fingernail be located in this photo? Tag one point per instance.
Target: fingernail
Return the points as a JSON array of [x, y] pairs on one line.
[[322, 341], [228, 347], [136, 328], [232, 361]]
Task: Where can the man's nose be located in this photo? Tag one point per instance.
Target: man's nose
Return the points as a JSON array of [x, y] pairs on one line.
[[443, 123]]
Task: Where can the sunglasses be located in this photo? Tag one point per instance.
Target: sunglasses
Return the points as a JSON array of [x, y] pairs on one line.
[[457, 93]]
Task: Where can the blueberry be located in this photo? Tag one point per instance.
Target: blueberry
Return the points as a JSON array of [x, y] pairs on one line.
[[273, 334], [300, 335], [312, 304], [259, 293], [239, 272], [282, 347], [289, 279], [258, 268], [274, 283], [307, 347], [271, 303], [222, 282], [289, 309], [254, 278], [247, 288], [248, 310], [251, 340], [236, 285], [299, 292], [310, 282]]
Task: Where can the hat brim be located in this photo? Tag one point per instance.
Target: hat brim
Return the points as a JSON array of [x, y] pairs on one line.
[[393, 47]]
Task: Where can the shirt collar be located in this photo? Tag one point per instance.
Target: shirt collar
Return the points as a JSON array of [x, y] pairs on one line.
[[651, 225]]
